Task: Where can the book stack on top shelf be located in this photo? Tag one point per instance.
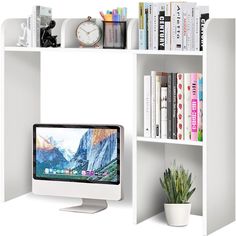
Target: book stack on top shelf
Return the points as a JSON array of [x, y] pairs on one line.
[[173, 106], [172, 26]]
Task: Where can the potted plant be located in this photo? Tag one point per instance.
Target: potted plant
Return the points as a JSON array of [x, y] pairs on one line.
[[176, 184]]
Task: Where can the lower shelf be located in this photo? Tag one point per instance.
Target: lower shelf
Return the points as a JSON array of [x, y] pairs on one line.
[[159, 226], [169, 141]]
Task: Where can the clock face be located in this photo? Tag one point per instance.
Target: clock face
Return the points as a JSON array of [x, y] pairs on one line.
[[88, 33]]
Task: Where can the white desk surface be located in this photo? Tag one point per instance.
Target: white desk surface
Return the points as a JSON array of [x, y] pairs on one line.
[[40, 215]]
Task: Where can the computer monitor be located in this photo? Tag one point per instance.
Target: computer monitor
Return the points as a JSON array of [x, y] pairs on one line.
[[81, 161]]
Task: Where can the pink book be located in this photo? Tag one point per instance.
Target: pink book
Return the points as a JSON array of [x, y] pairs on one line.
[[180, 106], [194, 107]]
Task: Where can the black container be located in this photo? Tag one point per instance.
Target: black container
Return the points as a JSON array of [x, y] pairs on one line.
[[114, 34]]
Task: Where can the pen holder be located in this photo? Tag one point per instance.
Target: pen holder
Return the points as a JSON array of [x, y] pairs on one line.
[[114, 34]]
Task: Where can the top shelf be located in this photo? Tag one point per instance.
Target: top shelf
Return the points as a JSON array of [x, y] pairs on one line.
[[135, 51], [65, 30]]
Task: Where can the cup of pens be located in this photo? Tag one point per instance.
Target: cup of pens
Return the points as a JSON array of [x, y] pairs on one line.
[[114, 29]]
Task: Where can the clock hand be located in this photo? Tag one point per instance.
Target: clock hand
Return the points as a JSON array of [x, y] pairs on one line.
[[84, 30], [91, 31]]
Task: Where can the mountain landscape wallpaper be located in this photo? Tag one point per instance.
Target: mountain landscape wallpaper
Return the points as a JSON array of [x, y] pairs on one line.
[[77, 154]]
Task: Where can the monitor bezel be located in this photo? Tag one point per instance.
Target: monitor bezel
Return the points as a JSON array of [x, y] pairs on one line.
[[117, 127]]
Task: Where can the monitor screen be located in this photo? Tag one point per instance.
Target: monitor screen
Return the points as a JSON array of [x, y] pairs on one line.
[[77, 153]]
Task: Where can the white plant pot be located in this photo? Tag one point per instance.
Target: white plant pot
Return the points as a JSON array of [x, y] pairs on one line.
[[177, 214]]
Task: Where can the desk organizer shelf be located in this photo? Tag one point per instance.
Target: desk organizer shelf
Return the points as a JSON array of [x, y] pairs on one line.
[[212, 161]]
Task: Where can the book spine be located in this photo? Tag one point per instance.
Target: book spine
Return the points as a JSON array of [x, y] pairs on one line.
[[187, 106], [196, 29], [172, 26], [167, 26], [200, 107], [194, 107], [155, 13], [190, 25], [191, 34], [141, 26], [38, 24], [28, 25], [204, 16], [158, 106], [150, 32], [34, 26], [185, 26], [153, 104], [177, 26], [147, 106], [164, 112], [146, 29], [174, 106], [169, 106], [161, 27], [180, 106]]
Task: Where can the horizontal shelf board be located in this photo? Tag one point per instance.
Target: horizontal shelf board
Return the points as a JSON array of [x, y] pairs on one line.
[[194, 228], [40, 49], [142, 52], [171, 53], [169, 141]]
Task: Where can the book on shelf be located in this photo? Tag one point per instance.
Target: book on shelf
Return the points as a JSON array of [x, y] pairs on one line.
[[153, 104], [204, 16], [194, 106], [172, 25], [147, 106], [161, 27], [173, 106], [158, 105], [41, 17], [164, 112], [169, 106], [187, 106], [200, 107], [180, 106]]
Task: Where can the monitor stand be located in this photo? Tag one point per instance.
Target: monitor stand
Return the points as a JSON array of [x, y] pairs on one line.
[[88, 206]]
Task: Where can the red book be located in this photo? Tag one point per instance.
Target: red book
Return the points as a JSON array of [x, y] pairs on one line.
[[194, 107]]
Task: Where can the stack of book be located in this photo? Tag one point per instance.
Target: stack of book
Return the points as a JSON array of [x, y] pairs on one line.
[[41, 17], [172, 26], [173, 106]]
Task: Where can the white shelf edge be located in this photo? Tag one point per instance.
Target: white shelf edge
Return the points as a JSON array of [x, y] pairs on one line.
[[135, 51], [169, 141], [171, 53]]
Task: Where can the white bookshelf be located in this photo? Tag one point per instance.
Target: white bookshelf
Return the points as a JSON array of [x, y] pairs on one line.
[[212, 161]]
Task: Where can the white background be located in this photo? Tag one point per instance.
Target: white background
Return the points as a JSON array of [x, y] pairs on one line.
[[12, 214]]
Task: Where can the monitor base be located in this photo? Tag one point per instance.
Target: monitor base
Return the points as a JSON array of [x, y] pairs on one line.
[[88, 206]]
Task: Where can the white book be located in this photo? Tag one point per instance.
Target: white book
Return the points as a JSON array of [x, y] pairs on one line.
[[197, 28], [177, 26], [188, 24], [28, 25], [155, 13], [158, 106], [167, 26], [150, 28], [187, 106], [41, 17], [147, 106], [153, 104], [164, 112]]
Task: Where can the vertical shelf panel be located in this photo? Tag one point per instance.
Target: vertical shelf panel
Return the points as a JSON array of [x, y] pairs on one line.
[[149, 196], [219, 123], [21, 111]]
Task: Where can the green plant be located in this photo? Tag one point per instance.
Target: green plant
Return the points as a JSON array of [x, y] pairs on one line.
[[176, 184]]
